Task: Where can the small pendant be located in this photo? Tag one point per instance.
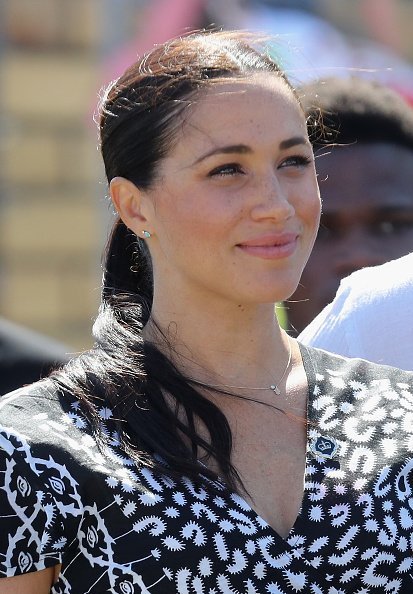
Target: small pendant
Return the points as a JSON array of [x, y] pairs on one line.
[[275, 389]]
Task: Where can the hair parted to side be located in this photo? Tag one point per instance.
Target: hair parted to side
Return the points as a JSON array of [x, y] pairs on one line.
[[140, 115], [141, 112], [355, 110]]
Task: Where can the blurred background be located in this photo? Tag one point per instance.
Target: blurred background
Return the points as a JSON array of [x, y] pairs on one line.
[[55, 56]]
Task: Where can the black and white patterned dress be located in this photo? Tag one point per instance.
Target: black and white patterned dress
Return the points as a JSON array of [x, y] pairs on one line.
[[117, 529]]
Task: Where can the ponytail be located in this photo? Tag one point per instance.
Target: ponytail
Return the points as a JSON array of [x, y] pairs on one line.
[[128, 270]]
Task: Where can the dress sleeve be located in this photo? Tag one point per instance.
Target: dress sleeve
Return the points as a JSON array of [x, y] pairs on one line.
[[31, 530]]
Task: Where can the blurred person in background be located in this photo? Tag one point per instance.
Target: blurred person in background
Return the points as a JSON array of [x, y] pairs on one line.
[[362, 134], [26, 356], [156, 21], [312, 44], [371, 316]]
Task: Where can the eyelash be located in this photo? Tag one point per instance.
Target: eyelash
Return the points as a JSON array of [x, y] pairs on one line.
[[223, 170], [297, 161], [230, 169]]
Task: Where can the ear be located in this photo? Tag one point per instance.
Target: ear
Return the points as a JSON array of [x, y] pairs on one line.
[[131, 204]]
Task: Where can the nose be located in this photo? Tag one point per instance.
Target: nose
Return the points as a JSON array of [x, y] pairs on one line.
[[271, 199], [355, 250]]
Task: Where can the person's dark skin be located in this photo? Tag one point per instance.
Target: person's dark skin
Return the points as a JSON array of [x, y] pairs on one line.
[[367, 193]]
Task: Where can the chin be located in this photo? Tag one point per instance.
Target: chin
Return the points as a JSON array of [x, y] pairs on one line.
[[257, 289], [274, 295], [281, 291]]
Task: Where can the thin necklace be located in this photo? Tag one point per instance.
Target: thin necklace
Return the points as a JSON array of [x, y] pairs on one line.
[[274, 387]]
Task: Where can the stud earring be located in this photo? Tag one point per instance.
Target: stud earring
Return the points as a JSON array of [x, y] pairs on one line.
[[146, 234]]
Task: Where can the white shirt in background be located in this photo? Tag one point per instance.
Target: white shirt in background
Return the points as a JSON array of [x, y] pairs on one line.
[[370, 317]]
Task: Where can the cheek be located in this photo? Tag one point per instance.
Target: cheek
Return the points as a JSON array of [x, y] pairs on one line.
[[316, 201], [210, 214], [309, 208], [192, 230]]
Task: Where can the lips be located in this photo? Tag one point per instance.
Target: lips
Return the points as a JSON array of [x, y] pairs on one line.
[[273, 246]]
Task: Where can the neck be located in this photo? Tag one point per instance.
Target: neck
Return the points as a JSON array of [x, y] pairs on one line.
[[236, 345]]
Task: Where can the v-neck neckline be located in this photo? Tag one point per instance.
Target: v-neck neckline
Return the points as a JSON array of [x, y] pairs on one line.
[[310, 373]]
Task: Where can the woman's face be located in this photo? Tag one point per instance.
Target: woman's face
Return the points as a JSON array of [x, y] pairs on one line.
[[235, 203]]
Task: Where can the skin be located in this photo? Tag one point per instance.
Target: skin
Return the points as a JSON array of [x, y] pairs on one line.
[[367, 220], [215, 288], [39, 582]]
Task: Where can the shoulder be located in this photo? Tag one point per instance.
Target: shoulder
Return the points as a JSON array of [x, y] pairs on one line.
[[46, 428], [360, 424], [349, 373], [25, 407], [39, 423], [352, 388], [364, 408]]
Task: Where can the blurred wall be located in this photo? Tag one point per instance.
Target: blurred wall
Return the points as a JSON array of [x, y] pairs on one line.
[[52, 212], [55, 56]]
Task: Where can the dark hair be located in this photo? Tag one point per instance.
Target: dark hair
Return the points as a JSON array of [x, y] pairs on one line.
[[354, 109], [140, 115]]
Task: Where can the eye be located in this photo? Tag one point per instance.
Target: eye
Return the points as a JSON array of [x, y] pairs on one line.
[[296, 161], [226, 170]]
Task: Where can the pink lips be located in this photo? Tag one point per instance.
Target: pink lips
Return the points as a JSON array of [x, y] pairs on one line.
[[270, 247]]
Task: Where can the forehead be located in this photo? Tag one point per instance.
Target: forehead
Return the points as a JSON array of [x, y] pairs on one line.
[[263, 104], [268, 85]]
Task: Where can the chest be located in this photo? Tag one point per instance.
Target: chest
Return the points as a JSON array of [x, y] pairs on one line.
[[270, 455]]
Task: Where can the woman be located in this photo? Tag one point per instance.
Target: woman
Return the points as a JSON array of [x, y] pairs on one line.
[[197, 448]]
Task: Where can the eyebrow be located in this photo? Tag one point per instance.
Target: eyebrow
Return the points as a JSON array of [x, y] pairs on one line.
[[294, 141], [243, 149]]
